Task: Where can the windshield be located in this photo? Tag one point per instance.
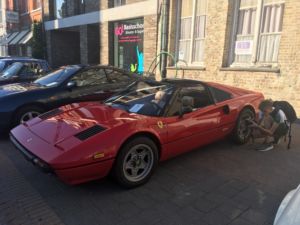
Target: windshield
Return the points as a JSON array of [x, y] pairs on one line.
[[2, 65], [143, 98], [57, 77], [12, 70]]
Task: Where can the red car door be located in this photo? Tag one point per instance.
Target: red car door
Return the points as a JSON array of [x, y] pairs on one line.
[[205, 124]]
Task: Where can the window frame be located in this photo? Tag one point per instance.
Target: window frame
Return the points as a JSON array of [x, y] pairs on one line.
[[55, 10], [192, 39], [38, 5], [117, 3], [256, 36]]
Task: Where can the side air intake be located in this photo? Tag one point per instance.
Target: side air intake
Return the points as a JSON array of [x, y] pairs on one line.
[[90, 132]]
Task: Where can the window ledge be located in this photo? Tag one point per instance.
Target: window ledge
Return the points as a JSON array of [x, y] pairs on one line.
[[251, 69], [187, 68]]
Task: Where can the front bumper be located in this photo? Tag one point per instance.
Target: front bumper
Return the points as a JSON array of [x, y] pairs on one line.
[[30, 157], [70, 175]]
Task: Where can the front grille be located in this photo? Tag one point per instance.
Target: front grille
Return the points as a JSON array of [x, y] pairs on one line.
[[49, 114], [83, 135]]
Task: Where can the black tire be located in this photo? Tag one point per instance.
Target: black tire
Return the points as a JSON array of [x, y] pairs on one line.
[[23, 111], [120, 174], [241, 123]]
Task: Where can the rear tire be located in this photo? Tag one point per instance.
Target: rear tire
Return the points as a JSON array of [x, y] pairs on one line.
[[136, 162], [27, 113], [242, 132]]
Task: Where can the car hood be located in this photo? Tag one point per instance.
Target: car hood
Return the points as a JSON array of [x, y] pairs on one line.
[[10, 89], [75, 118], [288, 211]]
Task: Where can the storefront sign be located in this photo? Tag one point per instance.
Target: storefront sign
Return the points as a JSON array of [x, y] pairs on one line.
[[128, 45], [12, 17], [243, 47]]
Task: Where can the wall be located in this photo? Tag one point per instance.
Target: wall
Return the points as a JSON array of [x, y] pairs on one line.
[[28, 17], [284, 84], [63, 47]]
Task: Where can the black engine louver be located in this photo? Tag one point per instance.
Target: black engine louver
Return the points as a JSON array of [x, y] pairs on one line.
[[83, 135], [51, 113]]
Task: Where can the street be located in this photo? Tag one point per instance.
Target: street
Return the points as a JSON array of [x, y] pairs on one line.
[[216, 185]]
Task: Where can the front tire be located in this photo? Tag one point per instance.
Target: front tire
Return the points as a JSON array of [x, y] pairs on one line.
[[136, 162], [242, 131]]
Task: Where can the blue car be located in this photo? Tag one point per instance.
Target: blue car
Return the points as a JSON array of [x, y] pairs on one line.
[[20, 70], [7, 61]]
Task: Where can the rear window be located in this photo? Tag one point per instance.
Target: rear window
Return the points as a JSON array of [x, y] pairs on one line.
[[220, 95]]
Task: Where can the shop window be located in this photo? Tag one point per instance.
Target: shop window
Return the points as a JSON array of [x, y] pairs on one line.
[[60, 9], [258, 32], [191, 43], [119, 2], [128, 45]]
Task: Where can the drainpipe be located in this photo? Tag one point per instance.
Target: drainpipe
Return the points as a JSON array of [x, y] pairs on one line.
[[164, 37]]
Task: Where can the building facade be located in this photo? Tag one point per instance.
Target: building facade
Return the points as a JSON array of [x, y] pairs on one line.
[[119, 32], [253, 44], [18, 17]]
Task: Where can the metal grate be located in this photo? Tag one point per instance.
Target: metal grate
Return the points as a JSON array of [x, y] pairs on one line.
[[89, 132], [50, 114]]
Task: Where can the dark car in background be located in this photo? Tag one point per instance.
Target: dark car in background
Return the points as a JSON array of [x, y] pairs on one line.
[[20, 72], [34, 63], [77, 83]]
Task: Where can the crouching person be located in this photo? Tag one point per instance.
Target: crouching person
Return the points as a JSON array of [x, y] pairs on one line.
[[271, 127]]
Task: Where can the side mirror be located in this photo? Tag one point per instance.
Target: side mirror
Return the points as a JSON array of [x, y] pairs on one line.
[[71, 85]]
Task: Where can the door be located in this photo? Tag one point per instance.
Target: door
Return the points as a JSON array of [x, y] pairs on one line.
[[90, 85], [198, 126]]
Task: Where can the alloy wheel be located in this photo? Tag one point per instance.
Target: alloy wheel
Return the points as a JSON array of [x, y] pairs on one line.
[[138, 162], [28, 116]]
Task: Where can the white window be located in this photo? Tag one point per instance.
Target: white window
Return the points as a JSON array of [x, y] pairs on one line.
[[119, 2], [36, 4], [258, 32], [191, 31]]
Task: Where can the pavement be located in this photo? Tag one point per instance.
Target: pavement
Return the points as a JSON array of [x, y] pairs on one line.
[[216, 185]]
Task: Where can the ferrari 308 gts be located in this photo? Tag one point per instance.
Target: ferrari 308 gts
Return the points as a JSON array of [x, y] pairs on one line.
[[135, 129]]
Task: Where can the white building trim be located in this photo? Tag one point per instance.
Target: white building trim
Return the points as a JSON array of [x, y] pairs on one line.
[[134, 10]]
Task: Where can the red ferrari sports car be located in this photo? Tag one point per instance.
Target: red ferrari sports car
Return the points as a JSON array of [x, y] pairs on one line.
[[132, 131]]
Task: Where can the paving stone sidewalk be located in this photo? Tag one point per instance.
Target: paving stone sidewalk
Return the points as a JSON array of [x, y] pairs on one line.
[[20, 203], [220, 184]]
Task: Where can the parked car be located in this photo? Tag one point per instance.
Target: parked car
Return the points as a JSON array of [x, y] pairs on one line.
[[21, 72], [288, 211], [135, 129], [33, 63], [23, 101]]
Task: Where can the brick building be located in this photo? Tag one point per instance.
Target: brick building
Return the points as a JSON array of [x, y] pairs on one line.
[[252, 44], [121, 33], [17, 21], [9, 19]]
